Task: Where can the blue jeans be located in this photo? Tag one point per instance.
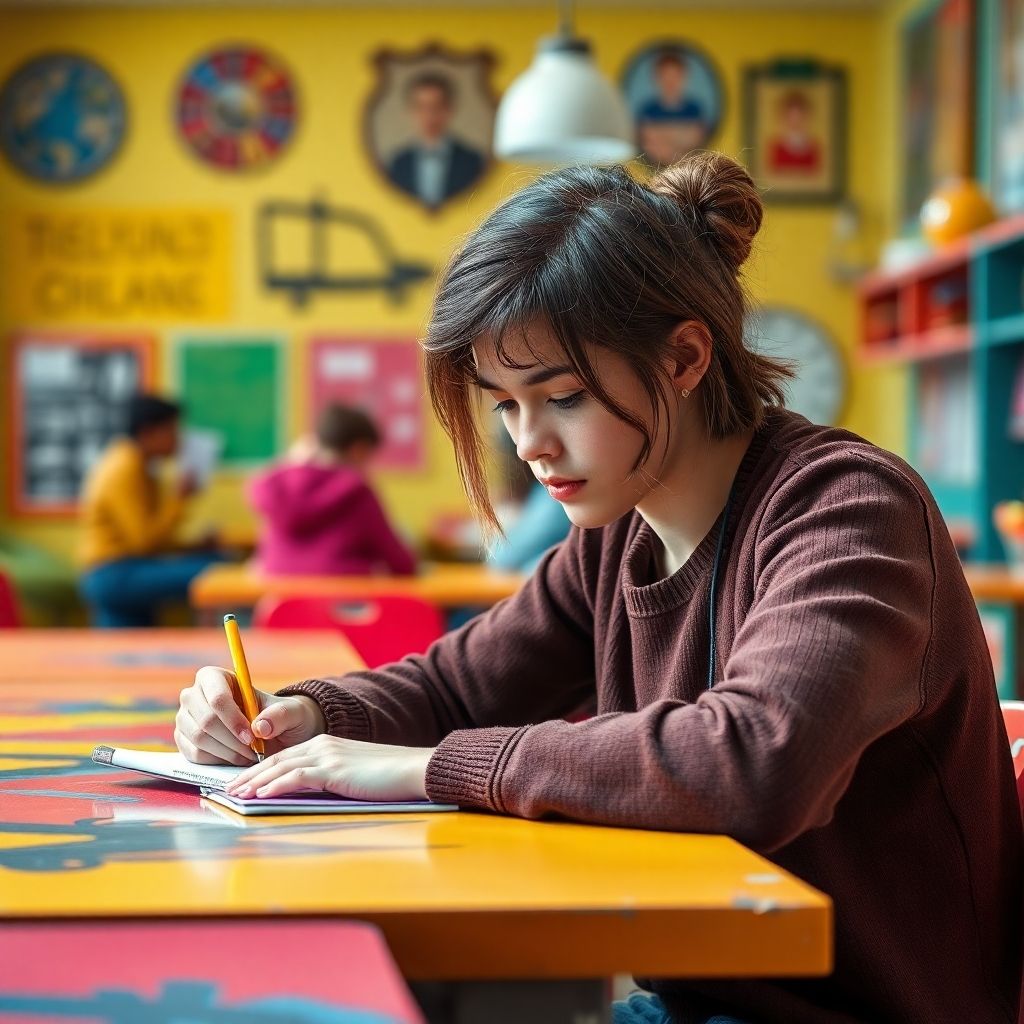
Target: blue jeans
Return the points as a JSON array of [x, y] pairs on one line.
[[641, 1008], [130, 591]]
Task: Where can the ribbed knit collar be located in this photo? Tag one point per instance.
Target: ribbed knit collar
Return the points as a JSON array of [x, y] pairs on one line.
[[644, 598]]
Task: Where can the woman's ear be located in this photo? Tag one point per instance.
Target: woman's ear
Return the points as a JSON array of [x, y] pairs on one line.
[[690, 353]]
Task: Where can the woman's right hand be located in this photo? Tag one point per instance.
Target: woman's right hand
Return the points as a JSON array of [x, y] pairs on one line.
[[210, 727]]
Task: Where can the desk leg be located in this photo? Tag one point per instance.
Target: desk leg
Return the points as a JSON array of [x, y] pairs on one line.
[[514, 1002]]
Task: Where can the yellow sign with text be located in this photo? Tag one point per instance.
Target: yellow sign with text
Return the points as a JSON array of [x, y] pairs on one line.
[[104, 266]]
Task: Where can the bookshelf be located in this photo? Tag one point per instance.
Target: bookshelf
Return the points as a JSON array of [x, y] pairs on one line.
[[955, 320]]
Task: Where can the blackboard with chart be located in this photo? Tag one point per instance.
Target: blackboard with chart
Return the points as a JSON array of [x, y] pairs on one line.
[[67, 399]]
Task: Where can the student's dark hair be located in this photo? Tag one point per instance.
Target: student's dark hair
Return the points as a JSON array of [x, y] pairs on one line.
[[667, 57], [338, 427], [144, 411], [431, 80], [601, 259]]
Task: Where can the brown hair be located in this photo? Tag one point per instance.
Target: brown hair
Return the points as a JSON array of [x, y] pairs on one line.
[[602, 259], [338, 427]]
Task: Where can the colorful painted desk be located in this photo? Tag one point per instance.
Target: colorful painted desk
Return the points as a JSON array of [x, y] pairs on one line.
[[456, 895], [227, 586]]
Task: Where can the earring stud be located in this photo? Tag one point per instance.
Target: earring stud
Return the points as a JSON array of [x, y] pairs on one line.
[[685, 392]]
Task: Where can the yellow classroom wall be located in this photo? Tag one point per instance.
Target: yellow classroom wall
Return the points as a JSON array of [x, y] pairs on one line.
[[329, 50]]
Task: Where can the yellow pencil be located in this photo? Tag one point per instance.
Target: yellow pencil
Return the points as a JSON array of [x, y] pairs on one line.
[[249, 704]]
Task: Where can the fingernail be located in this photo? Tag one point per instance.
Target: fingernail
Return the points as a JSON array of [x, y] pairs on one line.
[[244, 791], [261, 728], [245, 736], [261, 790]]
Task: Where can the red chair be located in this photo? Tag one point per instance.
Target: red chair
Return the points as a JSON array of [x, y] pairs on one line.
[[10, 617], [381, 629], [1013, 717]]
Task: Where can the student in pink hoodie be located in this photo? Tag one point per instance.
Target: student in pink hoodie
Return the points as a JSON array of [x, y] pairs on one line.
[[321, 516]]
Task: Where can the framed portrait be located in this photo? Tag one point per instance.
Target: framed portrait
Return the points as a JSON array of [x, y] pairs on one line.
[[676, 97], [429, 121], [795, 130], [1008, 108], [938, 100]]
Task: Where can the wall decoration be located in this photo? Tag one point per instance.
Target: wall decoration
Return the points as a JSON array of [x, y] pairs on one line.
[[819, 389], [67, 392], [429, 120], [233, 386], [381, 376], [1008, 107], [936, 136], [309, 247], [237, 108], [676, 96], [117, 265], [795, 130], [62, 118]]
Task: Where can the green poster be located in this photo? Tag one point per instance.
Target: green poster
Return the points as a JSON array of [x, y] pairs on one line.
[[233, 387]]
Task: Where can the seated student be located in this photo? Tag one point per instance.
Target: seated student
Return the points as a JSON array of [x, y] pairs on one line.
[[128, 522], [771, 615], [320, 515]]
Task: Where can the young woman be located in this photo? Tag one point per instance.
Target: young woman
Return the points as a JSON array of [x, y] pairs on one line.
[[770, 613]]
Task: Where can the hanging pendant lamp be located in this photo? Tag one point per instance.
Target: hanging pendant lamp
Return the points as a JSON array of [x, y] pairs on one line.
[[562, 110]]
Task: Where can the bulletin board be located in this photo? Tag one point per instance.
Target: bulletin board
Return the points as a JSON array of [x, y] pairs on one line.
[[383, 377], [66, 402], [234, 386]]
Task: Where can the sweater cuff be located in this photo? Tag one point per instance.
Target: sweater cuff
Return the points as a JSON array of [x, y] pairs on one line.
[[343, 713], [466, 765]]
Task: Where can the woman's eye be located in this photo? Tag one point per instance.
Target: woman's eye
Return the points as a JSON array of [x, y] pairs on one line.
[[504, 406], [570, 400]]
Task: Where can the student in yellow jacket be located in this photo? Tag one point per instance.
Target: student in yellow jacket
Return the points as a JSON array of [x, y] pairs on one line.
[[129, 522]]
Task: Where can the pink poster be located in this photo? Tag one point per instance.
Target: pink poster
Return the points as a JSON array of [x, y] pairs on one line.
[[383, 377]]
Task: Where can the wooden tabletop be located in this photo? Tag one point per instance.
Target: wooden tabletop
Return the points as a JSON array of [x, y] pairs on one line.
[[228, 585], [994, 583], [456, 894], [275, 657]]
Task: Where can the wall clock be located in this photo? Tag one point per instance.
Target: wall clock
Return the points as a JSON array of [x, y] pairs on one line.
[[237, 108], [62, 118], [819, 390]]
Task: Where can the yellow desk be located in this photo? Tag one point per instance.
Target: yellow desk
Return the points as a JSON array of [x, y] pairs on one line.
[[89, 656], [456, 895], [448, 586]]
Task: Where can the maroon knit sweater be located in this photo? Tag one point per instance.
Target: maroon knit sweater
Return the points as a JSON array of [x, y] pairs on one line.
[[853, 733]]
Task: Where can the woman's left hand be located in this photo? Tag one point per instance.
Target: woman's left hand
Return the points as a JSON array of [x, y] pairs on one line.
[[347, 768]]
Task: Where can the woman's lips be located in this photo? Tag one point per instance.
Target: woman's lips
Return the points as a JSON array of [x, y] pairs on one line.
[[562, 490]]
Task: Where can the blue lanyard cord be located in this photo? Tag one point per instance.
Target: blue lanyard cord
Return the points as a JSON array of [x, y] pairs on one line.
[[714, 587]]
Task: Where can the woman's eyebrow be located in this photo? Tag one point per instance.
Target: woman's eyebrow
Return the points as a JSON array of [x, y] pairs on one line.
[[537, 377]]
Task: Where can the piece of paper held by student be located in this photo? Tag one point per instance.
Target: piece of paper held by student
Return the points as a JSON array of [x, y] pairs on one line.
[[322, 803], [170, 766], [198, 453]]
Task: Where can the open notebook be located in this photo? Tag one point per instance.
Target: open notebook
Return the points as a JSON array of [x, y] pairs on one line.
[[212, 778]]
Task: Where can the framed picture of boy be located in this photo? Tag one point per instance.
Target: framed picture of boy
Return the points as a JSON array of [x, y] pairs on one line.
[[429, 121], [676, 98], [795, 130]]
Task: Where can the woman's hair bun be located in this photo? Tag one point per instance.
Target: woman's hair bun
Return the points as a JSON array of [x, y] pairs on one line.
[[721, 194]]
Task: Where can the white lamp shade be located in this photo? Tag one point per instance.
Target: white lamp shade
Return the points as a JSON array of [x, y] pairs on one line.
[[563, 110]]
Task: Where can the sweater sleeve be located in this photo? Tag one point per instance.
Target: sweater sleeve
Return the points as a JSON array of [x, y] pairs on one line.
[[482, 675], [829, 657]]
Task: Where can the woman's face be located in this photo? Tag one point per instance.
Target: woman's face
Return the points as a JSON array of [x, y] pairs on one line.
[[583, 453]]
